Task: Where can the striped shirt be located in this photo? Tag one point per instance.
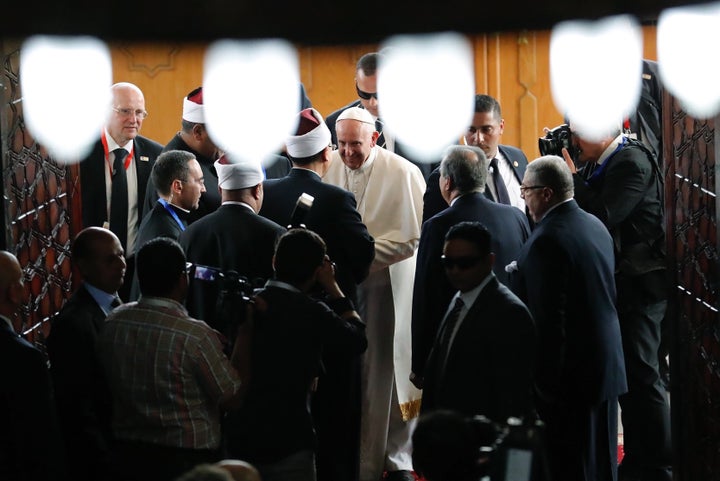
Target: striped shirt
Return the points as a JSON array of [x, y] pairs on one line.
[[167, 373]]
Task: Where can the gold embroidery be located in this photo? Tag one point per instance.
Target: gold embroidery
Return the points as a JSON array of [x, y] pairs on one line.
[[410, 409]]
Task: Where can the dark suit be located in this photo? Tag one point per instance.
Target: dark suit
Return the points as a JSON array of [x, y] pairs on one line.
[[93, 194], [82, 396], [209, 200], [425, 168], [288, 339], [333, 216], [159, 222], [30, 445], [433, 201], [489, 365], [432, 291], [92, 178], [626, 194], [231, 238], [565, 277]]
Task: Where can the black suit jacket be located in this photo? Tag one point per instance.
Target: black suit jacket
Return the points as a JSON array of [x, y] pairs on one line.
[[30, 445], [333, 216], [425, 168], [231, 238], [83, 398], [565, 277], [489, 365], [336, 404], [432, 291], [92, 180], [626, 194], [158, 223], [288, 339], [433, 201]]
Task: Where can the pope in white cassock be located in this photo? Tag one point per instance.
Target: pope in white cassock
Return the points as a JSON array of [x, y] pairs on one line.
[[388, 190]]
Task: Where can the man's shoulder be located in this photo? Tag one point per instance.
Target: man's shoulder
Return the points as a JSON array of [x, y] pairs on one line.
[[148, 144], [177, 143], [512, 152], [283, 301], [81, 303], [158, 222], [156, 213], [18, 349], [635, 152]]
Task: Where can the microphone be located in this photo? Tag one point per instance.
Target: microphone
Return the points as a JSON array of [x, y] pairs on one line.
[[302, 207]]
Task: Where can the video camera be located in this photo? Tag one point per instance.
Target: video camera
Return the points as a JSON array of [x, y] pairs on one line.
[[513, 450], [556, 139], [235, 292]]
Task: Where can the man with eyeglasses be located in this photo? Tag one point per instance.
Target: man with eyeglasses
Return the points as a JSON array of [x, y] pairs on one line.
[[565, 276], [463, 172], [482, 359], [114, 176], [621, 183], [366, 73]]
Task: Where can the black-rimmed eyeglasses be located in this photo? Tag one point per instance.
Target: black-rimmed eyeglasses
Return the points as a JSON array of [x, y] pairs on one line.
[[524, 188]]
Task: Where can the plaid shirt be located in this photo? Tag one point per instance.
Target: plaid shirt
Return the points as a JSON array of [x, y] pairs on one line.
[[167, 373]]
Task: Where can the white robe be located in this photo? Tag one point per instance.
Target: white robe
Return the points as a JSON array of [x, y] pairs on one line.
[[391, 208]]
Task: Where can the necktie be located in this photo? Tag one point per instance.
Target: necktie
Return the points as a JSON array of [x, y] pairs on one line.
[[115, 302], [119, 197], [381, 139], [448, 329], [500, 189]]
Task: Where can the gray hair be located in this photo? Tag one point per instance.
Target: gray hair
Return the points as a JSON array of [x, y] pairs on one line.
[[552, 171], [466, 166]]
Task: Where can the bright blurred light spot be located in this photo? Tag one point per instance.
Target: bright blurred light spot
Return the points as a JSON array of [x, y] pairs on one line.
[[687, 60], [426, 89], [65, 81], [596, 72], [251, 94]]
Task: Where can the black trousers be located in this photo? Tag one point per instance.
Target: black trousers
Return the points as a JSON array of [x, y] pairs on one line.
[[580, 440], [644, 408]]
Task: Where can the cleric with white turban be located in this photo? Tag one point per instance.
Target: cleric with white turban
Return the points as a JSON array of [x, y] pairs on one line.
[[312, 135]]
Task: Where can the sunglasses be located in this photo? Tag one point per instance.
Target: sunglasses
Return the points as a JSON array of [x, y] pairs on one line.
[[465, 262], [365, 95]]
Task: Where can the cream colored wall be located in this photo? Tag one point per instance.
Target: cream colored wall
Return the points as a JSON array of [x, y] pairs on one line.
[[511, 66]]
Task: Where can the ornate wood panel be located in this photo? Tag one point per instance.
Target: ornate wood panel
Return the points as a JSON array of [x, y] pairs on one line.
[[691, 207], [38, 204]]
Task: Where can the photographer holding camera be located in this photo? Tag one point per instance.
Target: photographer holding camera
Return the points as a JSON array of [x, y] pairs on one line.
[[620, 182], [334, 217], [274, 428]]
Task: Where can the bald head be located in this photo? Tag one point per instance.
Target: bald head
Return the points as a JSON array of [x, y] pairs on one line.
[[128, 112], [99, 256], [11, 284], [240, 470], [10, 270]]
